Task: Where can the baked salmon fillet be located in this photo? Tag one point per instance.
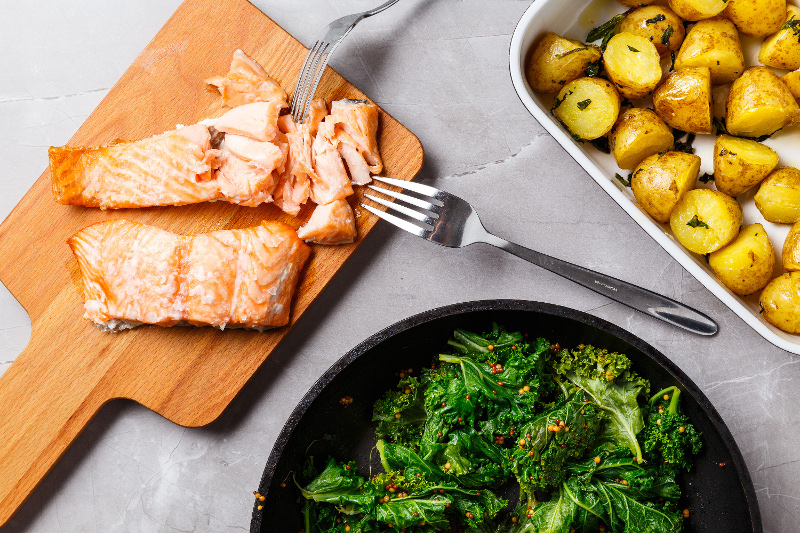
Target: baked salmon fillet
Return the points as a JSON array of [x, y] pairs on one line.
[[136, 274], [174, 168]]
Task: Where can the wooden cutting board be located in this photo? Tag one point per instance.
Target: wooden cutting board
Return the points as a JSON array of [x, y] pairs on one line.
[[70, 368]]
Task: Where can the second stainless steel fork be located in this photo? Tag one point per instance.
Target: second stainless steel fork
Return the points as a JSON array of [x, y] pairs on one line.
[[451, 221]]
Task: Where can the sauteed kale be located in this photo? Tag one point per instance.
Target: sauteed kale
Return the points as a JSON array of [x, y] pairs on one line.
[[576, 429]]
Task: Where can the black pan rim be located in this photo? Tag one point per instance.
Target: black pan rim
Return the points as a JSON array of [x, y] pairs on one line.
[[510, 305]]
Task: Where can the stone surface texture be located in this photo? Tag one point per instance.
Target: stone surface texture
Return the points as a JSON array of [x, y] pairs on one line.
[[441, 68]]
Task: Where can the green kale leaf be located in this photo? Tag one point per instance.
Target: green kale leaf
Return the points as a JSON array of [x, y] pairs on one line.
[[409, 511], [340, 485], [605, 377], [624, 512], [554, 516], [561, 433], [397, 457]]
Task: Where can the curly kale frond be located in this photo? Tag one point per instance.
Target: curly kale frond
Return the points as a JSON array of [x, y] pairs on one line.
[[401, 414], [669, 436]]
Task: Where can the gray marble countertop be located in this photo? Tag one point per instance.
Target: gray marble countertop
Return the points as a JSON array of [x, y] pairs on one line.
[[441, 68]]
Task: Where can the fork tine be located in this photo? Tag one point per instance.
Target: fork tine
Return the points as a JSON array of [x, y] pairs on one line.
[[302, 79], [327, 51], [407, 199], [416, 187], [399, 222], [304, 96], [425, 219]]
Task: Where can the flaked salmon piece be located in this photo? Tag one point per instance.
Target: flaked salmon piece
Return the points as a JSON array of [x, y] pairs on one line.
[[359, 171], [317, 111], [258, 120], [294, 185], [293, 188], [331, 181], [265, 154], [133, 273], [359, 120], [247, 82], [174, 168], [332, 223], [245, 183]]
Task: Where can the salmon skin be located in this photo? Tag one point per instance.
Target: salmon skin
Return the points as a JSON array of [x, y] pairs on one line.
[[136, 274]]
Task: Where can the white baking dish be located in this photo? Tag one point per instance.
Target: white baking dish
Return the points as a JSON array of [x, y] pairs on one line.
[[574, 19]]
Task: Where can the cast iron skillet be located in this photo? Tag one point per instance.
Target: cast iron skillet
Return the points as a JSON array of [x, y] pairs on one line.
[[720, 498]]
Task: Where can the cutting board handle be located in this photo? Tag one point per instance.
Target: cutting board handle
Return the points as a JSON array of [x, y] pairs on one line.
[[46, 399]]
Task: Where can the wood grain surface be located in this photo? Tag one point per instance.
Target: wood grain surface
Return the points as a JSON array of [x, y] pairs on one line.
[[70, 368]]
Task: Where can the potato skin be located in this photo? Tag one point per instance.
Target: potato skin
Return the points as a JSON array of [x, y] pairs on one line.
[[778, 198], [759, 103], [639, 133], [780, 301], [662, 180], [713, 43], [684, 100], [756, 18], [720, 215], [739, 164], [782, 49], [697, 9], [792, 81], [557, 61], [790, 258], [588, 107], [637, 24], [624, 50], [745, 265]]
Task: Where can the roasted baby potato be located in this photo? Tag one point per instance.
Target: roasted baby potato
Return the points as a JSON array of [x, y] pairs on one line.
[[639, 133], [791, 249], [778, 198], [659, 24], [741, 163], [745, 265], [705, 220], [756, 18], [662, 180], [684, 100], [633, 64], [713, 43], [780, 301], [588, 107], [782, 50], [697, 9], [759, 103], [792, 81], [557, 61]]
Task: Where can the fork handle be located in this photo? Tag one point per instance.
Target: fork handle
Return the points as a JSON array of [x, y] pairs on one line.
[[380, 8], [643, 300]]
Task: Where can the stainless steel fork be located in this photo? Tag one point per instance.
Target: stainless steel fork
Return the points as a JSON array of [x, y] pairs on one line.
[[318, 56], [453, 222]]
